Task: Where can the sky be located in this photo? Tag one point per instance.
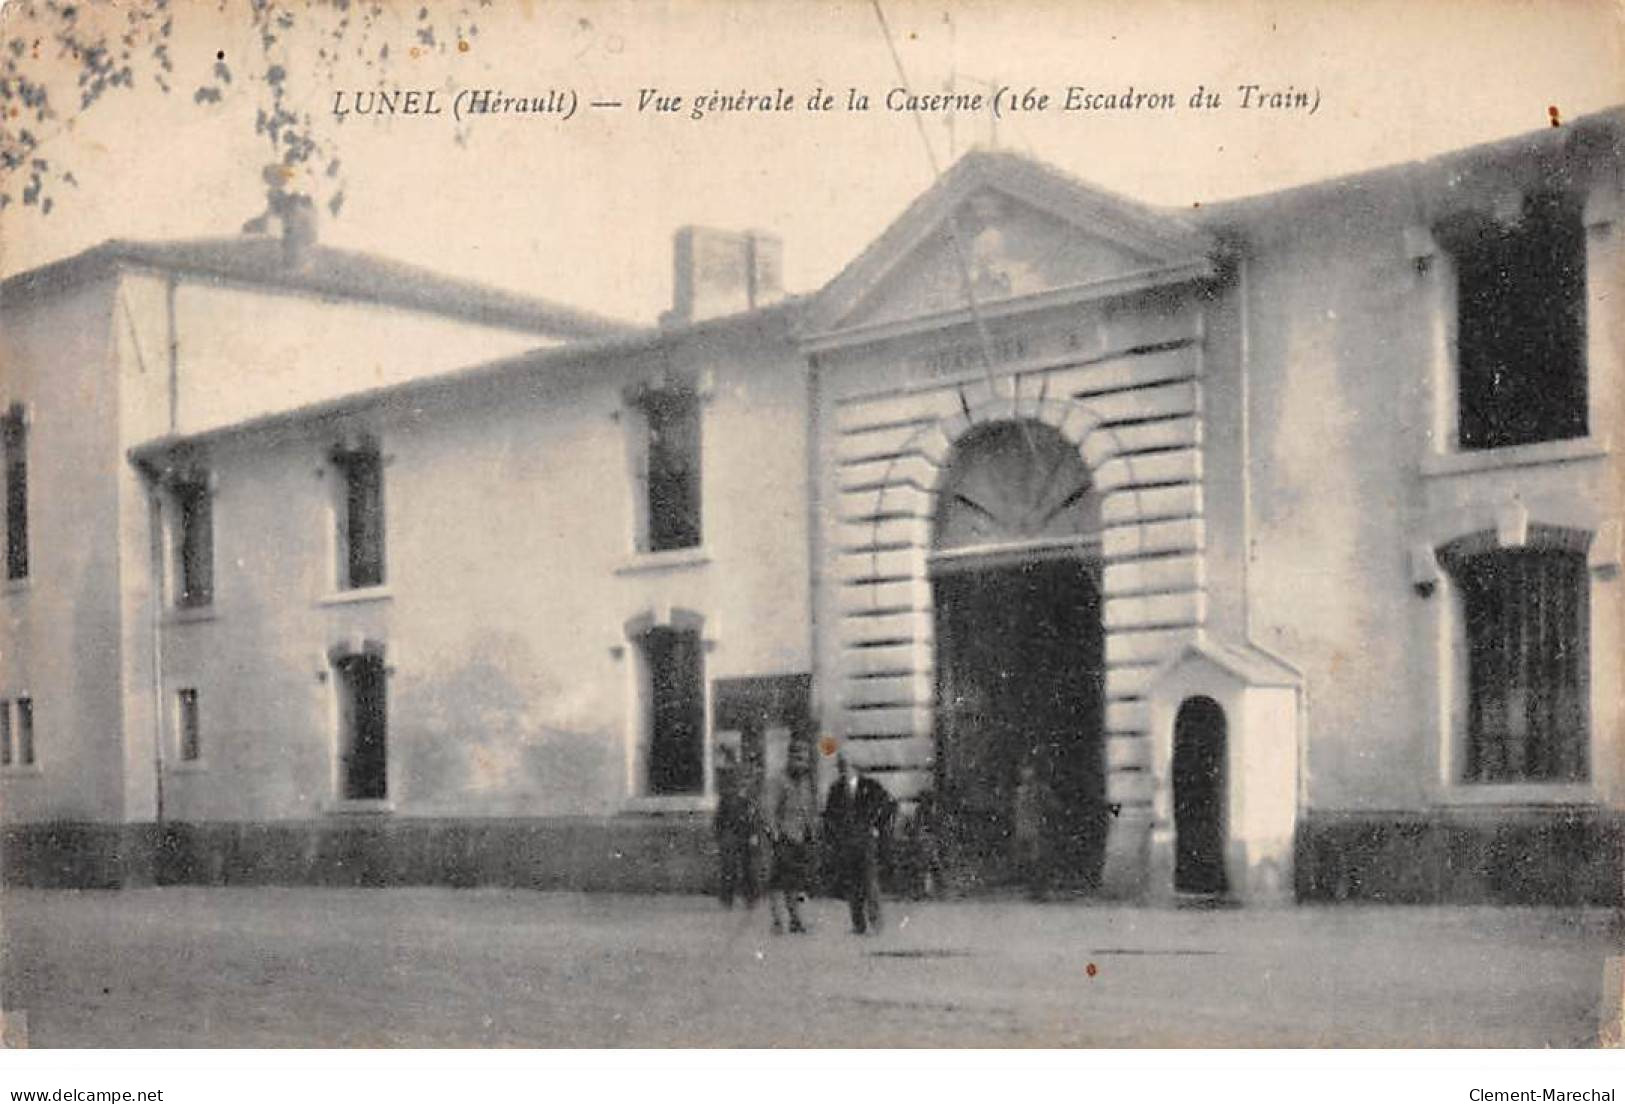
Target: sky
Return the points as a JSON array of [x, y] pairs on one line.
[[582, 210]]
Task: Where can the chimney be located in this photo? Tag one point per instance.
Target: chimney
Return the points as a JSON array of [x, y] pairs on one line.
[[717, 272], [298, 216]]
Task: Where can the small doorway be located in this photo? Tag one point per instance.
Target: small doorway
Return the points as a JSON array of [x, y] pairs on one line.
[[1199, 797]]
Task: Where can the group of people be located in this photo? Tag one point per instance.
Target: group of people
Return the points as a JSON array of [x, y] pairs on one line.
[[789, 842], [786, 847]]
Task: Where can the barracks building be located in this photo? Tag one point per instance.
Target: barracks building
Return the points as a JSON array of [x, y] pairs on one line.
[[1282, 536]]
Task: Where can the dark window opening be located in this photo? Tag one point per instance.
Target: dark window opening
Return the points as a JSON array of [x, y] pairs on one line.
[[1526, 615], [673, 418], [677, 711], [363, 760], [361, 518], [1521, 325], [16, 449], [25, 732], [5, 733], [187, 728], [194, 552]]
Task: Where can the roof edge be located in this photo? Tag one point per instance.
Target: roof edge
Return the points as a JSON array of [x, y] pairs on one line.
[[398, 284], [1247, 661], [536, 360], [1607, 123]]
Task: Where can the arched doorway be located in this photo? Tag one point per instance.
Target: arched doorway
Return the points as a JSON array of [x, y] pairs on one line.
[[1020, 655], [1199, 797]]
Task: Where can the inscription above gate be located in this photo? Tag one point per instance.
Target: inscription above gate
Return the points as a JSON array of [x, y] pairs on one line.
[[964, 358]]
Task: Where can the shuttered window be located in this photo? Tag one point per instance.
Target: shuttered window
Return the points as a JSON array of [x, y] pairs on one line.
[[188, 732], [677, 711], [361, 517], [363, 727], [673, 418], [25, 732], [1520, 325], [1526, 619], [16, 460], [194, 551]]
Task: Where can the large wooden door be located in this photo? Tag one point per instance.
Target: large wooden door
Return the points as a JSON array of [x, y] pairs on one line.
[[1019, 680]]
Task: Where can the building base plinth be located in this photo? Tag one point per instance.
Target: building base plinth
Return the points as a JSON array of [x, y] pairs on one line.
[[1523, 857], [666, 854], [1127, 847]]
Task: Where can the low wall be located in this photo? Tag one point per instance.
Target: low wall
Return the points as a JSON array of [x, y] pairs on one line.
[[1556, 857], [74, 854], [1568, 857], [672, 854]]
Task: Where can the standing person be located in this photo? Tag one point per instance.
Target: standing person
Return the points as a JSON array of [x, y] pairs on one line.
[[857, 816], [794, 816], [1030, 817], [924, 848], [739, 830]]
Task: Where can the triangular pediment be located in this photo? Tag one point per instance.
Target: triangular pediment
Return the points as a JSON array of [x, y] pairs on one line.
[[1014, 230], [1245, 663]]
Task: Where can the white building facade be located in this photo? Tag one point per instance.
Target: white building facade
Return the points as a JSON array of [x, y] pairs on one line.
[[1280, 539]]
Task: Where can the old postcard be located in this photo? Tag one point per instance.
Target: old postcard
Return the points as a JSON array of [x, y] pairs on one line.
[[878, 524]]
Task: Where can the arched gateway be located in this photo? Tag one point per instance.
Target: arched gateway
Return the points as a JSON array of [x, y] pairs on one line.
[[1011, 536], [1015, 579], [1015, 559]]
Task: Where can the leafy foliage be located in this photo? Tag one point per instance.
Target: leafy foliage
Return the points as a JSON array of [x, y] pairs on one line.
[[104, 47]]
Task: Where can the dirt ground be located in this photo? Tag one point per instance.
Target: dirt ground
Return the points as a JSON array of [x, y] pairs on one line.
[[185, 967]]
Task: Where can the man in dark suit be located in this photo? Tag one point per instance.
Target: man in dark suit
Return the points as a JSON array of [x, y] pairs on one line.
[[857, 819]]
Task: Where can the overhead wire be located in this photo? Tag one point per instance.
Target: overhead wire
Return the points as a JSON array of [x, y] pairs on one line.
[[955, 238]]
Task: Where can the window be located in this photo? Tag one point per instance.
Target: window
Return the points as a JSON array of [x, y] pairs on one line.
[[194, 544], [676, 748], [672, 473], [25, 732], [1525, 615], [187, 732], [363, 723], [16, 449], [360, 516], [1520, 324]]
